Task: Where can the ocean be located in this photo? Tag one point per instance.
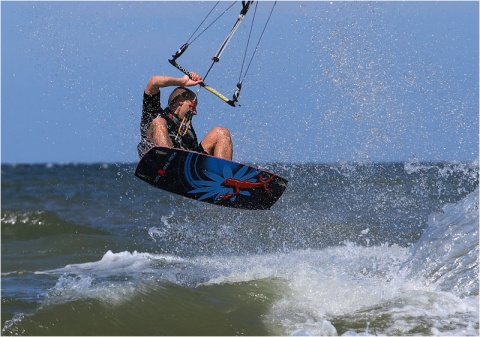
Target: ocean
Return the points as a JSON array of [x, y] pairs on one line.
[[350, 249]]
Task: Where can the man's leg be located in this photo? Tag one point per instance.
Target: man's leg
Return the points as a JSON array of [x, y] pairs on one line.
[[158, 133], [218, 142]]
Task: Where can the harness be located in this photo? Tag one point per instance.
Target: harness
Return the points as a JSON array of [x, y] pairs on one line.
[[181, 132]]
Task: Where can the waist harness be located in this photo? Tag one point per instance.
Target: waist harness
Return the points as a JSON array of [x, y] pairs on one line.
[[184, 140]]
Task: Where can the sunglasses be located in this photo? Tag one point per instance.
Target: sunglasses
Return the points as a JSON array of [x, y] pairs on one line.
[[193, 105]]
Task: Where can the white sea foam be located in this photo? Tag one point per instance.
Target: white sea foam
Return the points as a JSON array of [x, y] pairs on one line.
[[113, 263]]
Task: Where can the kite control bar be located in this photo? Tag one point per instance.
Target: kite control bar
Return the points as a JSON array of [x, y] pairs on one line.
[[173, 62]]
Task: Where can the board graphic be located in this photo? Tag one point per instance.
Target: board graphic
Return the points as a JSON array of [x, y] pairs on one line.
[[210, 179]]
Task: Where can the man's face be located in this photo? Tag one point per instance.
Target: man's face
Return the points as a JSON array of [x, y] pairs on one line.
[[185, 106]]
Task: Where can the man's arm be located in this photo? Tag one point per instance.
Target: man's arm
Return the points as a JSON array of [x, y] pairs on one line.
[[161, 81]]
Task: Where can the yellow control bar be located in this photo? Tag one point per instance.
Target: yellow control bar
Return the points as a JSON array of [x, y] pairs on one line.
[[216, 93]]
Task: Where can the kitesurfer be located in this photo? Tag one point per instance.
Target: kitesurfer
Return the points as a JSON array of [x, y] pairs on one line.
[[171, 127]]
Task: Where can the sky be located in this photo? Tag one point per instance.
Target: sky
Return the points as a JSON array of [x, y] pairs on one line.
[[330, 81]]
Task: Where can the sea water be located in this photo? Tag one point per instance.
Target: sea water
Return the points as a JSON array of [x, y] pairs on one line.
[[350, 249]]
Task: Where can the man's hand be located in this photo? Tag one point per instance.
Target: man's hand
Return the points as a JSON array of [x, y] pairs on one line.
[[189, 82]]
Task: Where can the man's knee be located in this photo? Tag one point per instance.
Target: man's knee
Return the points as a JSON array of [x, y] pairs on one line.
[[158, 133], [222, 133], [158, 126], [159, 122]]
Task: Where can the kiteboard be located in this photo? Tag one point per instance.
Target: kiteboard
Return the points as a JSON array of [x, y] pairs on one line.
[[210, 179]]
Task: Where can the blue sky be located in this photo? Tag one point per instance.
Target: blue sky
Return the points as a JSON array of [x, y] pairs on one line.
[[331, 81]]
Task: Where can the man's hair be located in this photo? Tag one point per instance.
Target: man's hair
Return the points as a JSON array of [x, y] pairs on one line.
[[180, 94]]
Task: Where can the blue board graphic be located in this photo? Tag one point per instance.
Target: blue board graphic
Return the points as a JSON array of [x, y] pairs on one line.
[[210, 179]]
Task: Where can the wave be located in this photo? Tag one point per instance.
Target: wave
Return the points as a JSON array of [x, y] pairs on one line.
[[32, 225], [343, 290], [447, 253], [157, 308]]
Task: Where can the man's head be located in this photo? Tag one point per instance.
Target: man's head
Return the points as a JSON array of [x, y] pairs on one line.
[[179, 96]]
